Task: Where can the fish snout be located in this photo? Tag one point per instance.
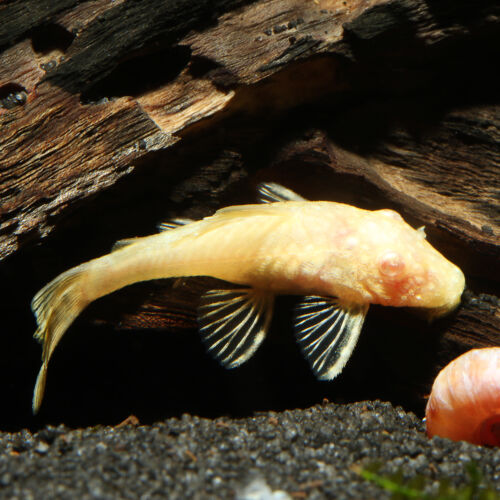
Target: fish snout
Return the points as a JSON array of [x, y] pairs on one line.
[[456, 287], [444, 291], [454, 284]]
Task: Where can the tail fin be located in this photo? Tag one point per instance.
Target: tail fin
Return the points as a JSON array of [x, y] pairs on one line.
[[56, 306]]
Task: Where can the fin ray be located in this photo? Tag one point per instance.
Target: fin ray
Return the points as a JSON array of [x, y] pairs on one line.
[[233, 323], [123, 243], [327, 331], [271, 192], [173, 223], [55, 307]]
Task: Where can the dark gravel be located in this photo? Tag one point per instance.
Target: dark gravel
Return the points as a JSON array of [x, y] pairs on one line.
[[310, 453]]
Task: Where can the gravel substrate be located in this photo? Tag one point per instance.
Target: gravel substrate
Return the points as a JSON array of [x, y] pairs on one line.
[[312, 453]]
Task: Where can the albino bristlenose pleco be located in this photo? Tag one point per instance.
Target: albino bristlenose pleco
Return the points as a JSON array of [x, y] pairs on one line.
[[341, 258]]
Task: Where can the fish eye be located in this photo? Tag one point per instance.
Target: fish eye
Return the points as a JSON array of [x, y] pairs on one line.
[[391, 264]]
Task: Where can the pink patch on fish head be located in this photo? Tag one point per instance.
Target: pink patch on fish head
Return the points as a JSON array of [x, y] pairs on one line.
[[345, 238], [395, 278]]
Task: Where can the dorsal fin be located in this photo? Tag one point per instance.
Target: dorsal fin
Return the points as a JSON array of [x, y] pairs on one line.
[[173, 223], [270, 192], [327, 331], [233, 323], [123, 243], [162, 226]]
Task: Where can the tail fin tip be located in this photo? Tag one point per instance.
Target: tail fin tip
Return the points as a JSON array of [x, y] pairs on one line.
[[39, 389], [55, 307]]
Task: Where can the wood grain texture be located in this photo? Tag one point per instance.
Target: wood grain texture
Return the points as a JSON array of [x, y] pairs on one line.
[[117, 114]]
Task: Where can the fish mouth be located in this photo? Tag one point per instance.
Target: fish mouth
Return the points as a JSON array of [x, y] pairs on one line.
[[438, 312], [454, 294]]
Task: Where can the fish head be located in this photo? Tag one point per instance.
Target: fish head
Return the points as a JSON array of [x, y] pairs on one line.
[[409, 272]]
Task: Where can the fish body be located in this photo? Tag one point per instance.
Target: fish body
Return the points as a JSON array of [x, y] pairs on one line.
[[303, 248], [464, 404], [341, 257]]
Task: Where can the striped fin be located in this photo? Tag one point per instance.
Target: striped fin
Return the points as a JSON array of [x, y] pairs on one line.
[[327, 332], [270, 192], [233, 323], [173, 223], [123, 243]]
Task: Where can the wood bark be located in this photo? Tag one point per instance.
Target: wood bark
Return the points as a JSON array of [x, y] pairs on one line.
[[116, 115]]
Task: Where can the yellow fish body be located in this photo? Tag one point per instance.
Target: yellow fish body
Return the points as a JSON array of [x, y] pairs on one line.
[[340, 257]]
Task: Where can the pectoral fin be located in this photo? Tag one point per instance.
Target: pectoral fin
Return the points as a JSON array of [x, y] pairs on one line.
[[233, 323], [327, 331], [270, 192]]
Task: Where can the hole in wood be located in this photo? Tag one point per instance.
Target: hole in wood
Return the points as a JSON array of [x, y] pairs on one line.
[[51, 37], [139, 75], [12, 95], [200, 66]]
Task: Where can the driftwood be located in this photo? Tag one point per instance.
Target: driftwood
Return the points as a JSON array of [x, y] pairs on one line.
[[116, 115]]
